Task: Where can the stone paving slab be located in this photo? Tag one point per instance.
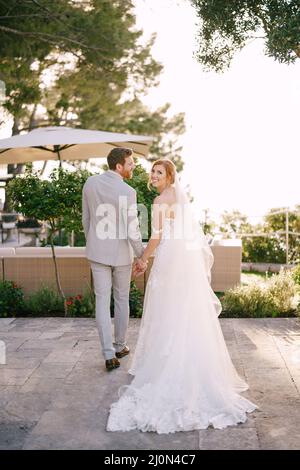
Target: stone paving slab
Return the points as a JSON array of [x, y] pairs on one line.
[[55, 392]]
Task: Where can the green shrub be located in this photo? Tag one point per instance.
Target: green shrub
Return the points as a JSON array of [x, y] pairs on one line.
[[245, 301], [84, 305], [47, 302], [296, 275], [11, 299], [81, 305], [29, 223], [282, 291], [277, 296], [44, 302], [296, 278], [135, 301]]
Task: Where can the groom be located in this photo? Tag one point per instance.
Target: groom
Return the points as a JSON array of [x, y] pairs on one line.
[[110, 252]]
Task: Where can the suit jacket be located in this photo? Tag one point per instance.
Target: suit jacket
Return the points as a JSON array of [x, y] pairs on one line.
[[118, 249]]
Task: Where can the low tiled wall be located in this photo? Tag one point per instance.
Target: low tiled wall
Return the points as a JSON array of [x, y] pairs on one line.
[[32, 273], [226, 270], [33, 267]]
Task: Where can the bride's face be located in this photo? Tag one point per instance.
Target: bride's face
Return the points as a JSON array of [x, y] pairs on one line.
[[159, 177]]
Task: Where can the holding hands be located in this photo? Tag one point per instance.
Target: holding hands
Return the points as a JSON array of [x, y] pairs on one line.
[[139, 267]]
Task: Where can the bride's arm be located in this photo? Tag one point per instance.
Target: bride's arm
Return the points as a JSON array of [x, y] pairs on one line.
[[158, 216]]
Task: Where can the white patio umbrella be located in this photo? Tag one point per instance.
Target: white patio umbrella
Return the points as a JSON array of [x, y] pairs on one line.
[[65, 143]]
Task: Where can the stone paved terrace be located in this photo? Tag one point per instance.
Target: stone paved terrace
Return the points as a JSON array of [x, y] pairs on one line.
[[55, 392]]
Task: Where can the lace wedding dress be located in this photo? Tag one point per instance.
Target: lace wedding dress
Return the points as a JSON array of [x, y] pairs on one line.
[[184, 378]]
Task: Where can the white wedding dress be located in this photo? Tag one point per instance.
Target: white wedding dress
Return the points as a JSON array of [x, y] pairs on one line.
[[184, 378]]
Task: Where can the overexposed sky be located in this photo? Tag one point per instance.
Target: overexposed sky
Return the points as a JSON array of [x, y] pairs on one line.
[[241, 147]]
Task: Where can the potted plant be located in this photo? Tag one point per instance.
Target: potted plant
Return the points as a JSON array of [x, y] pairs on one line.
[[9, 218], [29, 225]]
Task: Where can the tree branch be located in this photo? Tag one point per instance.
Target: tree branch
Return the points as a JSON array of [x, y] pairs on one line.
[[46, 37]]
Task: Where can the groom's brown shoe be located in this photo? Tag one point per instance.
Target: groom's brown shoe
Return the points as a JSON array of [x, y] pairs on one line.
[[123, 353], [111, 364]]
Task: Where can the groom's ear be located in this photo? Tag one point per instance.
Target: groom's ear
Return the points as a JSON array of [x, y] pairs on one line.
[[119, 166]]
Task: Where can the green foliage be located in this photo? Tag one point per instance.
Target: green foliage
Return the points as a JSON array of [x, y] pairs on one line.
[[11, 299], [269, 248], [263, 250], [28, 223], [282, 291], [79, 239], [59, 239], [82, 305], [275, 297], [135, 301], [9, 218], [57, 200], [100, 69], [44, 302], [296, 275], [225, 27], [277, 222]]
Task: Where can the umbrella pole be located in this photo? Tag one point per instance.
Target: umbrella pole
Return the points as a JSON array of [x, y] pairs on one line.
[[60, 163], [56, 149]]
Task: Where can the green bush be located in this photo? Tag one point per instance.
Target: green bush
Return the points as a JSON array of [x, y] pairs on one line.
[[44, 302], [296, 275], [263, 250], [65, 239], [135, 301], [296, 278], [11, 299], [47, 302], [81, 305], [282, 291], [29, 223], [277, 296], [85, 305]]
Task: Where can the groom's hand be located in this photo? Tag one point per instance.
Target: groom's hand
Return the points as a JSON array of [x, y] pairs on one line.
[[139, 267], [142, 265]]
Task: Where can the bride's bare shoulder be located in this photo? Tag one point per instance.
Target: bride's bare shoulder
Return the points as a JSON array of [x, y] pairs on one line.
[[166, 197]]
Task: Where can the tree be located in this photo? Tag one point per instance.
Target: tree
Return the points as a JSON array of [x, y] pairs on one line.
[[233, 223], [266, 241], [57, 202], [277, 222], [227, 26], [81, 63]]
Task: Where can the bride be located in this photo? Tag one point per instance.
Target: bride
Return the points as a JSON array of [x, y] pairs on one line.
[[183, 375]]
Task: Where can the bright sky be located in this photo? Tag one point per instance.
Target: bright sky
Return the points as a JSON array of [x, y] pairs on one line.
[[241, 147]]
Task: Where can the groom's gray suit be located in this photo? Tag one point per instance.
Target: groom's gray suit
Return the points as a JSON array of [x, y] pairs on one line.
[[111, 258]]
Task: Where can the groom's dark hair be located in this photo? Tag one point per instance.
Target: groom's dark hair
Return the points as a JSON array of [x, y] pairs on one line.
[[117, 155]]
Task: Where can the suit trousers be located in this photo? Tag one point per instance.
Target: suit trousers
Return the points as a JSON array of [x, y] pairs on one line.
[[106, 278]]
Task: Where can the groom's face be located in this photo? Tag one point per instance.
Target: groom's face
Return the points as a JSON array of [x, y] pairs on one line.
[[127, 168]]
